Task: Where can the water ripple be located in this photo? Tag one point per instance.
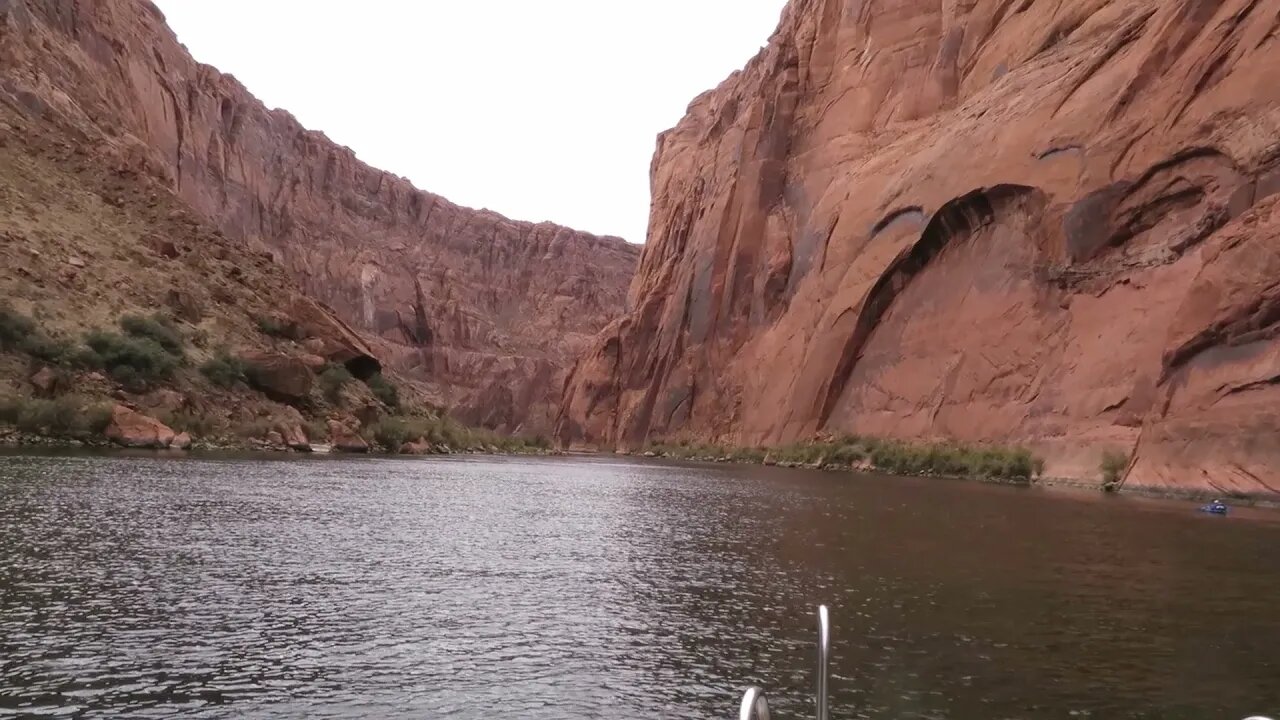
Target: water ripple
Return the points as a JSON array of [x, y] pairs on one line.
[[334, 588]]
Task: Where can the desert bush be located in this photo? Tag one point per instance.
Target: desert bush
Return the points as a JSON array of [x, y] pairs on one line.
[[255, 429], [392, 433], [14, 328], [54, 351], [1114, 463], [68, 416], [332, 379], [19, 333], [135, 362], [157, 328], [885, 455], [10, 409], [97, 416], [275, 327], [195, 423], [385, 391], [317, 430], [224, 370]]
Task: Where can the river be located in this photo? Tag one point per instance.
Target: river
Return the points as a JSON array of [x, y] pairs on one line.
[[600, 588]]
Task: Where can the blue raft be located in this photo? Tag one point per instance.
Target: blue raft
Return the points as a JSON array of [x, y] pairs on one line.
[[1217, 507]]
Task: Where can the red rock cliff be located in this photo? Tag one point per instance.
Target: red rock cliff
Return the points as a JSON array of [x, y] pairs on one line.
[[1040, 221], [490, 311]]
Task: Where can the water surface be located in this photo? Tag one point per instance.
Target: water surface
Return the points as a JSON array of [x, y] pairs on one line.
[[597, 588]]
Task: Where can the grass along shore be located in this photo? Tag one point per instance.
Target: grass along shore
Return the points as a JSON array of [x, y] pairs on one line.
[[989, 463]]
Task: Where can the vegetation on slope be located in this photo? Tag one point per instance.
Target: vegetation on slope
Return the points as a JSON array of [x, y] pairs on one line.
[[115, 293]]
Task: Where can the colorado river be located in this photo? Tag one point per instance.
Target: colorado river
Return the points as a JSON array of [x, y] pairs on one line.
[[599, 588]]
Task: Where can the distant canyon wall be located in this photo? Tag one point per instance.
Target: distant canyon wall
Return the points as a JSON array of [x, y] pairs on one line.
[[489, 312], [1049, 222]]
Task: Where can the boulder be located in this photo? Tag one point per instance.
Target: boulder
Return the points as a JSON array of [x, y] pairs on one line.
[[163, 247], [166, 399], [275, 439], [132, 429], [280, 376], [294, 437], [417, 447], [344, 439], [46, 382], [186, 303], [181, 442], [315, 362], [332, 339]]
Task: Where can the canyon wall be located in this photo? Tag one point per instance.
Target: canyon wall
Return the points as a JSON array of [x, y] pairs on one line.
[[489, 313], [1049, 222]]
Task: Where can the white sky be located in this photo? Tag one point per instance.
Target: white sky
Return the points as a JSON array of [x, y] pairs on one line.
[[538, 109]]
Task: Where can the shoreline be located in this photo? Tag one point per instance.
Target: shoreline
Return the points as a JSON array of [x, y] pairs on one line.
[[12, 440], [1049, 483]]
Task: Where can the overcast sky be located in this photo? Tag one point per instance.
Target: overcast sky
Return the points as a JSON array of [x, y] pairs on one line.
[[538, 109]]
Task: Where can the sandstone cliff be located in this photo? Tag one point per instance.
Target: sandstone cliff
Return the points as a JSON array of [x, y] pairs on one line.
[[490, 312], [1041, 221]]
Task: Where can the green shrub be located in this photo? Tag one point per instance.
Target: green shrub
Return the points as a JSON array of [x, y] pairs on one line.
[[275, 327], [885, 455], [10, 410], [385, 391], [196, 424], [14, 328], [135, 362], [333, 378], [1114, 464], [392, 433], [157, 328], [97, 417], [224, 370], [19, 333], [68, 416], [50, 350], [255, 429], [317, 430]]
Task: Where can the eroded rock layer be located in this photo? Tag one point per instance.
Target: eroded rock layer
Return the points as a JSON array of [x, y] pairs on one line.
[[1037, 221], [489, 311]]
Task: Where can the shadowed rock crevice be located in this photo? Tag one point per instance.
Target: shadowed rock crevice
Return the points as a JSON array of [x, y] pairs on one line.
[[955, 221], [913, 215], [1187, 198]]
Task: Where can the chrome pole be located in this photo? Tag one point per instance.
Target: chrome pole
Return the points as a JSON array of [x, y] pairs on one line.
[[754, 705], [824, 659]]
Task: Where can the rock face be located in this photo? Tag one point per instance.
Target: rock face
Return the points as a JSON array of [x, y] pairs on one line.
[[490, 312], [280, 376], [1032, 221], [344, 439], [294, 437], [132, 429]]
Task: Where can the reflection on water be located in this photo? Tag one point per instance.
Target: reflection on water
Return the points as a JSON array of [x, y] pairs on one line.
[[334, 588]]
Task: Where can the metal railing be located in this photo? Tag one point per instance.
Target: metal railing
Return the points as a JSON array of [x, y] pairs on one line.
[[755, 705]]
